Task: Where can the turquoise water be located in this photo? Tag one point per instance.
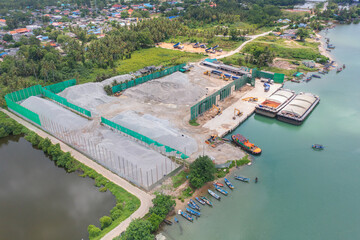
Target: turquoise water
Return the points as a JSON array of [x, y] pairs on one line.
[[301, 194]]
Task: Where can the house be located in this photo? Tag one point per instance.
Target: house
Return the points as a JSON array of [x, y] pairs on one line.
[[2, 22]]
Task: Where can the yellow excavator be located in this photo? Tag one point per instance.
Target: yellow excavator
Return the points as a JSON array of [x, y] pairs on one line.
[[237, 112], [217, 108], [224, 77], [207, 73], [250, 99]]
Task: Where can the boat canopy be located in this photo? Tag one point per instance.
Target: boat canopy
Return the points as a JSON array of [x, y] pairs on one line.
[[281, 96], [300, 104]]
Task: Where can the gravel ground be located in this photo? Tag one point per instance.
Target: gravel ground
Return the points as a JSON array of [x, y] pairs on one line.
[[160, 130], [172, 89]]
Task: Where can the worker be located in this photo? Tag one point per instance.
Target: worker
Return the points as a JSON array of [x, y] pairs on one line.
[[256, 180]]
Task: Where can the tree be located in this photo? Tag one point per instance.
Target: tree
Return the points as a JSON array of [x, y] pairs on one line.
[[155, 221], [7, 37], [138, 230], [201, 171], [124, 14], [162, 205], [302, 33], [105, 221], [93, 231]]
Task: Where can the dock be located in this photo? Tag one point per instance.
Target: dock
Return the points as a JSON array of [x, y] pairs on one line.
[[224, 123]]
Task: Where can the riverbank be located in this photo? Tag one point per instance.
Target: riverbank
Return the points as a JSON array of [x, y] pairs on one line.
[[118, 226]]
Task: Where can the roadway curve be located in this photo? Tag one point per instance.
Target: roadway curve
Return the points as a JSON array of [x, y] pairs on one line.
[[252, 38], [144, 197]]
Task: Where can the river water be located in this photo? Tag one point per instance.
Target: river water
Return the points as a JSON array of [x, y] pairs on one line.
[[301, 193], [39, 201]]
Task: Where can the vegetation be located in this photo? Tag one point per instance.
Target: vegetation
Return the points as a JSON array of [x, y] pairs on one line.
[[222, 172], [193, 123], [9, 126], [186, 193], [201, 171], [141, 229], [179, 179]]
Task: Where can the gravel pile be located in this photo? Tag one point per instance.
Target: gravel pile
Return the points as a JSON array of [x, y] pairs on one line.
[[172, 89], [55, 113], [157, 129], [90, 95]]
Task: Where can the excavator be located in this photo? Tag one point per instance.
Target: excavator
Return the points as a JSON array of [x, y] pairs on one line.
[[224, 77], [212, 140], [237, 112], [217, 108]]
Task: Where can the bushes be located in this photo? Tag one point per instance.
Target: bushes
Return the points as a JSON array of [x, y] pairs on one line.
[[9, 126], [105, 221], [138, 229], [162, 205], [93, 231], [155, 221], [201, 171]]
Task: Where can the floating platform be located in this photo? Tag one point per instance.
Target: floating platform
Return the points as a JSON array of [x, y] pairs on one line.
[[273, 104], [299, 108]]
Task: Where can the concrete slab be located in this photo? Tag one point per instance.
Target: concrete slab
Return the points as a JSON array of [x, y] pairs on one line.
[[225, 123]]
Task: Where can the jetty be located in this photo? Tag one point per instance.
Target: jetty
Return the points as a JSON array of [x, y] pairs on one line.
[[225, 123]]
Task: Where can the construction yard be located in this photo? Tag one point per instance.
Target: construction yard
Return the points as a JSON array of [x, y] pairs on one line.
[[188, 47], [138, 132]]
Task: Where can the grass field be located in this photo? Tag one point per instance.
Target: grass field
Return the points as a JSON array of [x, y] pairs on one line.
[[179, 179], [142, 58]]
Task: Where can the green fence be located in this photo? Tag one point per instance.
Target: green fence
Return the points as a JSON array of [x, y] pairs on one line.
[[207, 103], [277, 77], [12, 99], [64, 102], [59, 87], [141, 137], [132, 83]]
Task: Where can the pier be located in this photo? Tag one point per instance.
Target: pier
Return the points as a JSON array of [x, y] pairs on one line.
[[224, 123]]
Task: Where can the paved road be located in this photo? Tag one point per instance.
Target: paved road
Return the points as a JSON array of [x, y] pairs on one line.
[[252, 38], [144, 197]]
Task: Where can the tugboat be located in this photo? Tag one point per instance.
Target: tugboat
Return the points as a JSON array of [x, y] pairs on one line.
[[318, 147], [244, 143]]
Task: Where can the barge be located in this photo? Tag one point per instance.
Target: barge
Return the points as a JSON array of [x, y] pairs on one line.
[[298, 109], [245, 144], [277, 101]]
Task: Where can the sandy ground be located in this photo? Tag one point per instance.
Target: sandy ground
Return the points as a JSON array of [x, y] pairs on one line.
[[322, 49], [188, 47], [283, 63]]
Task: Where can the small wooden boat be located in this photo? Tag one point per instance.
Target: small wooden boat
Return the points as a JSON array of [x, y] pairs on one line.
[[207, 201], [228, 183], [168, 222], [218, 184], [295, 80], [186, 216], [195, 204], [318, 147], [191, 205], [243, 179], [222, 191], [200, 201], [344, 66], [176, 220], [316, 76], [339, 70], [193, 212], [214, 195], [308, 79]]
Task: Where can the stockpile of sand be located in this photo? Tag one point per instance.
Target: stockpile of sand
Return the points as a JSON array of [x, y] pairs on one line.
[[157, 129], [172, 89], [55, 113]]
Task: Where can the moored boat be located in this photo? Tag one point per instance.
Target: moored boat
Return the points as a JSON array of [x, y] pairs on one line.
[[168, 222], [214, 195], [308, 79], [220, 190], [186, 216], [193, 212], [245, 144], [218, 184], [315, 76], [228, 183], [299, 108], [176, 220], [273, 104], [200, 201], [192, 205], [195, 204], [207, 201], [243, 179]]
